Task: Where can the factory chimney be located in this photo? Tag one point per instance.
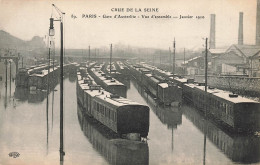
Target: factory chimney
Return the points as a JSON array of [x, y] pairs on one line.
[[240, 29], [212, 31], [258, 23]]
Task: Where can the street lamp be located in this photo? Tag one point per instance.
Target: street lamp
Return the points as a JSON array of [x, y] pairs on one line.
[[51, 30], [52, 33]]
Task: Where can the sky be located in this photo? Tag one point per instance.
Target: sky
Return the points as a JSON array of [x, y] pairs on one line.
[[27, 18]]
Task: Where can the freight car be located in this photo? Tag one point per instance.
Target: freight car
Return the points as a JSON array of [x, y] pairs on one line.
[[115, 150], [108, 83], [235, 112], [119, 114], [239, 113], [116, 72], [36, 75], [165, 91]]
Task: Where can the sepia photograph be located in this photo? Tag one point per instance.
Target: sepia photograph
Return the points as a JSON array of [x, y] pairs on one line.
[[128, 82]]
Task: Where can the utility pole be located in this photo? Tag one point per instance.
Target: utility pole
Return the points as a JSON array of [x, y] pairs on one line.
[[184, 68], [22, 62], [110, 58], [10, 78], [153, 60], [95, 54], [206, 65], [89, 53], [173, 67], [170, 57], [205, 121], [160, 59]]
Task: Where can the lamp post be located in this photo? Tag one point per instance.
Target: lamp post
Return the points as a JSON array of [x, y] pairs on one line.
[[52, 33]]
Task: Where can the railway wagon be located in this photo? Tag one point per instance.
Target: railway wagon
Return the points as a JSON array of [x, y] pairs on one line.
[[115, 150], [138, 72], [40, 79], [82, 85], [122, 68], [151, 83], [108, 83], [187, 92], [21, 79], [134, 69], [115, 72], [169, 93], [239, 113], [121, 115], [166, 92]]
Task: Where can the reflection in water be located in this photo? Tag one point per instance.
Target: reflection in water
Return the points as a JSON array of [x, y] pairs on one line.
[[238, 147], [52, 103], [205, 142], [116, 151], [21, 94], [47, 122], [36, 96], [168, 115], [72, 77], [5, 104]]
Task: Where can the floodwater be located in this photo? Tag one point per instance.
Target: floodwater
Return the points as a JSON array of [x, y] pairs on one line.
[[177, 135]]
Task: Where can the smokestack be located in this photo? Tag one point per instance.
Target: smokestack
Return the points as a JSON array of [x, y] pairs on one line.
[[240, 29], [257, 42], [212, 31]]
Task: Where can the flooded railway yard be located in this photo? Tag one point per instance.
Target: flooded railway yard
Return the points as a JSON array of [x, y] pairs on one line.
[[177, 135]]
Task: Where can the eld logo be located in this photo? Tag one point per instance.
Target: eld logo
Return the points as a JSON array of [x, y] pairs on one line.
[[14, 154]]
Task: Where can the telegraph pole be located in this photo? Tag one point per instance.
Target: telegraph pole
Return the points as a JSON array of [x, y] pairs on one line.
[[10, 78], [170, 57], [173, 67], [184, 69], [22, 62], [160, 59], [205, 121], [206, 65], [153, 60], [95, 54], [110, 58], [89, 53]]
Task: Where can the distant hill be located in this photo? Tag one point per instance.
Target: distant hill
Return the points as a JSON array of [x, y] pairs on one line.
[[35, 46], [9, 41]]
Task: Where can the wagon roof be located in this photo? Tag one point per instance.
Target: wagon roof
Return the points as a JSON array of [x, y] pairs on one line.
[[225, 95], [164, 72], [181, 79], [164, 85], [148, 75], [190, 85], [108, 82], [94, 93], [155, 80], [106, 97]]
